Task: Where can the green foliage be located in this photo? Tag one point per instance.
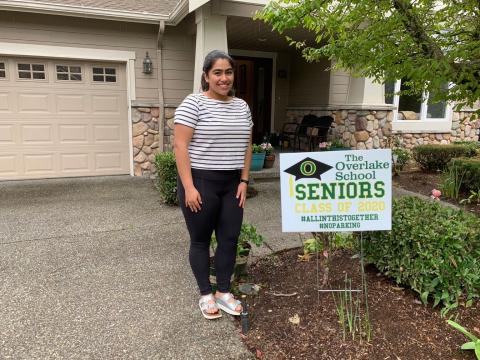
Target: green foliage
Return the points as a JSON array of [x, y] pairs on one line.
[[422, 40], [451, 183], [470, 167], [474, 197], [166, 177], [336, 144], [473, 147], [256, 149], [401, 157], [437, 157], [248, 237], [340, 240], [433, 249], [473, 344]]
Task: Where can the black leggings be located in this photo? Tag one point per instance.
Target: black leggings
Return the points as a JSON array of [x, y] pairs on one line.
[[220, 212]]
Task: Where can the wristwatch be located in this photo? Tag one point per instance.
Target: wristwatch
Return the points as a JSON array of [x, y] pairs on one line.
[[244, 181]]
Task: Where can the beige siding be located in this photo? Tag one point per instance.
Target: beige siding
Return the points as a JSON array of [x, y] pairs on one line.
[[281, 90], [339, 83], [309, 82], [178, 54]]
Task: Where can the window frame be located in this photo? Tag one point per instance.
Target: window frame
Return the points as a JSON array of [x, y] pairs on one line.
[[424, 124], [68, 81], [5, 63], [45, 70], [104, 74]]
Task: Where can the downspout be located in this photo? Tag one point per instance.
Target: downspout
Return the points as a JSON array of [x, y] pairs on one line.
[[161, 101]]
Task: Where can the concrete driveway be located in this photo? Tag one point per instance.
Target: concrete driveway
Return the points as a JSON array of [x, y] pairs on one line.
[[96, 268]]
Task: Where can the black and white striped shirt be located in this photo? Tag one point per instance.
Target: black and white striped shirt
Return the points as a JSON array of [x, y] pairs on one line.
[[221, 131]]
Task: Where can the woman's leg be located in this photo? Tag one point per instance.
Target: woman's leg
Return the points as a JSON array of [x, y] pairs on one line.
[[200, 227], [227, 232]]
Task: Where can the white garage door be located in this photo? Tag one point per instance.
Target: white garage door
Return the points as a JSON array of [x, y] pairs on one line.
[[62, 118]]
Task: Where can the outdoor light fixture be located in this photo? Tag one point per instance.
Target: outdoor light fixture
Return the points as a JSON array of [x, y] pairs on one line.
[[147, 64]]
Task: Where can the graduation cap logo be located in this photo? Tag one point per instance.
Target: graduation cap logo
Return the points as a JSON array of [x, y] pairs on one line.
[[308, 168]]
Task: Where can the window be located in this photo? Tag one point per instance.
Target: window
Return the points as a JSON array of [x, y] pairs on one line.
[[415, 113], [66, 72], [104, 74], [3, 73], [31, 71]]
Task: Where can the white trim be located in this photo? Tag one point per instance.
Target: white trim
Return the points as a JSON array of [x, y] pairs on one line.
[[81, 11], [268, 55], [179, 13], [424, 124], [49, 51]]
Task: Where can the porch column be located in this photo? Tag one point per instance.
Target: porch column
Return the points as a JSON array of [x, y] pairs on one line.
[[363, 91], [211, 35]]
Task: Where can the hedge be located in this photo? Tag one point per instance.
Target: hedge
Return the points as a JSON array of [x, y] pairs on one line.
[[166, 177], [437, 157], [433, 249], [470, 170]]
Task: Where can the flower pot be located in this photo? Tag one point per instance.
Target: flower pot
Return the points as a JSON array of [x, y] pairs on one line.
[[269, 161], [257, 161]]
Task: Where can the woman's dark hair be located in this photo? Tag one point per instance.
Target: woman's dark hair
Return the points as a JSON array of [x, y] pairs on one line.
[[210, 59]]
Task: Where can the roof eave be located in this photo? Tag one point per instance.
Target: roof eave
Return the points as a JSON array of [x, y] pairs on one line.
[[80, 11]]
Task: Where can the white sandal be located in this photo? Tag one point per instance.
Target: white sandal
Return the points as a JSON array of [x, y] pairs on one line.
[[225, 303], [205, 305]]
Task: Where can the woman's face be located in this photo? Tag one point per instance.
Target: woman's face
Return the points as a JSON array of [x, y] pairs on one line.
[[220, 79]]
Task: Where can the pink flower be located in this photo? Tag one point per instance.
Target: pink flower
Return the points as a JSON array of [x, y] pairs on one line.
[[436, 194], [322, 145]]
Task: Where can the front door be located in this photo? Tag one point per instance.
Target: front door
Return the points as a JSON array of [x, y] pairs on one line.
[[253, 83]]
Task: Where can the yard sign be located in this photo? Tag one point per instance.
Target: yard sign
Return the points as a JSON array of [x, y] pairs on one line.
[[336, 191]]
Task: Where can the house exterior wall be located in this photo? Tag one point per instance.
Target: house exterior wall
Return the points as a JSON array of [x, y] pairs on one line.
[[309, 82]]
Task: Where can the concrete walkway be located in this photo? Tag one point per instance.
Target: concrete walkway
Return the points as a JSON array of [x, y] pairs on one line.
[[96, 268]]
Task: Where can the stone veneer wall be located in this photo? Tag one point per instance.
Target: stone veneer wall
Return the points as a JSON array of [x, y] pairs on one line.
[[371, 129], [463, 129], [168, 129], [145, 138], [358, 129]]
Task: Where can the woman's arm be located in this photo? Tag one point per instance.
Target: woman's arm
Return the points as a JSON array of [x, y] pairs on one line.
[[242, 187], [183, 136]]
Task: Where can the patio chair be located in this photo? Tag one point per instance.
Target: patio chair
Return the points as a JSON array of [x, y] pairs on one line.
[[287, 136], [322, 123]]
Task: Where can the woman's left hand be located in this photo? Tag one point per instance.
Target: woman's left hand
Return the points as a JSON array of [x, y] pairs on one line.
[[242, 194]]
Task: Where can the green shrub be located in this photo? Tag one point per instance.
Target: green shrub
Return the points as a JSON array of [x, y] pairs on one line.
[[437, 157], [472, 146], [470, 168], [451, 182], [166, 177], [401, 157], [431, 248]]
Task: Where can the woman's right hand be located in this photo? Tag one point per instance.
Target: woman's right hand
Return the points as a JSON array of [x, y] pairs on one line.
[[193, 200]]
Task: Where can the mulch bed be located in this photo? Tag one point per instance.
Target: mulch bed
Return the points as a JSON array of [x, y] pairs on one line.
[[402, 327], [415, 180]]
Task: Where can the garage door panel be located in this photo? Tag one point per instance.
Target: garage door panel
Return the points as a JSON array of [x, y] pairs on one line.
[[34, 103], [6, 105], [54, 128], [8, 165], [7, 134], [72, 104], [39, 164], [73, 134], [73, 163], [37, 134]]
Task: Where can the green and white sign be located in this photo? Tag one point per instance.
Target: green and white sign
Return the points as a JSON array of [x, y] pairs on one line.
[[335, 191]]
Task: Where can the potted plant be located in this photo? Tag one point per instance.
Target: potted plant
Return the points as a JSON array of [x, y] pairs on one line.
[[269, 155], [337, 144], [258, 158], [248, 237]]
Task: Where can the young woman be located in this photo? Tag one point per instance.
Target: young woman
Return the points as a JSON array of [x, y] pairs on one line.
[[213, 153]]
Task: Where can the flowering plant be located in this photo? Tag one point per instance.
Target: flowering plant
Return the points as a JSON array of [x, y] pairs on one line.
[[436, 194], [325, 145], [267, 147], [256, 149]]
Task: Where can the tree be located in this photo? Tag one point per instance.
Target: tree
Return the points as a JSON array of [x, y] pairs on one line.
[[428, 42]]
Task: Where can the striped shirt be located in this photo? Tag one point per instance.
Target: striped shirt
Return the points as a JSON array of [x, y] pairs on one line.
[[221, 131]]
